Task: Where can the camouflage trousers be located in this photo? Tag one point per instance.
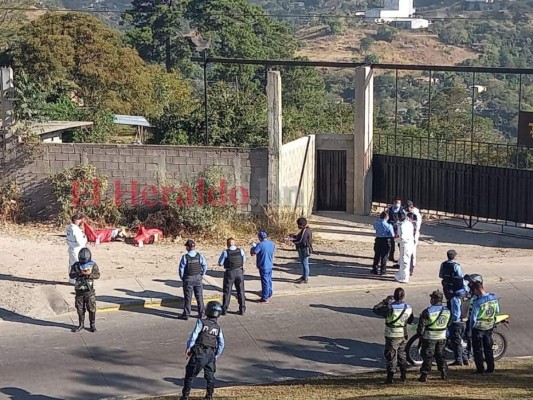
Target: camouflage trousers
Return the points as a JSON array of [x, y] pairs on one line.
[[433, 350], [395, 354], [85, 302]]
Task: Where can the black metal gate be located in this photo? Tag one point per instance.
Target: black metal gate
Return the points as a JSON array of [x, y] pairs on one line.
[[331, 180], [495, 193]]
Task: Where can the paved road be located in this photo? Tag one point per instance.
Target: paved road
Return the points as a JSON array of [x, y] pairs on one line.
[[140, 351]]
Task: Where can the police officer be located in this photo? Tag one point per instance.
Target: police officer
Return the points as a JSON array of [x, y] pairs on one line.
[[394, 217], [233, 259], [398, 314], [383, 243], [84, 272], [265, 263], [192, 270], [482, 321], [451, 275], [459, 305], [204, 347], [432, 325], [470, 280]]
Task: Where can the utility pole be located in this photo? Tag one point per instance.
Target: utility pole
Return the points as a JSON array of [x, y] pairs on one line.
[[168, 61]]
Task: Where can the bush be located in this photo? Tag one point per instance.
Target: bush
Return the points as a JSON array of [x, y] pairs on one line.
[[11, 203], [385, 34], [81, 189]]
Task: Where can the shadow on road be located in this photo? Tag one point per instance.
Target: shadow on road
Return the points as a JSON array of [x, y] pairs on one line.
[[365, 312], [21, 394], [8, 315], [12, 278]]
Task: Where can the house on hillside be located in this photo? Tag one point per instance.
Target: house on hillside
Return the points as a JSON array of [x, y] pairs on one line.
[[392, 10], [399, 13]]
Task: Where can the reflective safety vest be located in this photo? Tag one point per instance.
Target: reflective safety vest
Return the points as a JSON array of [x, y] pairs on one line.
[[395, 323], [439, 318], [486, 316]]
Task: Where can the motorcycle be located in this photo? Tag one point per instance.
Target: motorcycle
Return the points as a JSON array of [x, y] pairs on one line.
[[414, 344]]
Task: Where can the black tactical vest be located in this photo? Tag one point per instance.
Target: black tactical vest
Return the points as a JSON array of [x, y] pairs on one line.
[[208, 337], [452, 282], [194, 267], [233, 260]]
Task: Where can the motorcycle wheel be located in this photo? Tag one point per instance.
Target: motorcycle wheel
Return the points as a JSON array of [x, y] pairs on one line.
[[499, 345], [412, 350]]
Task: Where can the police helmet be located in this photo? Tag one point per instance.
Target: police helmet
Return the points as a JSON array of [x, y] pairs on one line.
[[213, 309], [84, 256], [437, 296]]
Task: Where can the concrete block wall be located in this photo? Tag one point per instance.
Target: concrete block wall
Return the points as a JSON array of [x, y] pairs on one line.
[[341, 142], [132, 169], [297, 170]]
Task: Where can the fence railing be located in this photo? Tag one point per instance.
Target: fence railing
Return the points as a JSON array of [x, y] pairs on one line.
[[505, 155]]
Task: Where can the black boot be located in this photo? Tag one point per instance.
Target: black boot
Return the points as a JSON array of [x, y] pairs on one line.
[[444, 374], [403, 374], [92, 320], [184, 397], [81, 322], [423, 378], [390, 377]]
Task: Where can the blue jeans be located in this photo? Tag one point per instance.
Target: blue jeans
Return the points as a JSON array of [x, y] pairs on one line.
[[266, 284], [305, 263]]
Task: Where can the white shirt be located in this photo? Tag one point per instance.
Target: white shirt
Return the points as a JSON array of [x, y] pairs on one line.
[[418, 221], [406, 231], [75, 237]]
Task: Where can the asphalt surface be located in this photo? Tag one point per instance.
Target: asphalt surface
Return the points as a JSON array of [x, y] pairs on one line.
[[141, 351]]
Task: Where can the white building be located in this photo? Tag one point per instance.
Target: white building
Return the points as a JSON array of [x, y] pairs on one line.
[[392, 10], [411, 23]]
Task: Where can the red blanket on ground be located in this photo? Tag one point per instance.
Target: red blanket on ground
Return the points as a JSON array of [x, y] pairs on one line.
[[147, 236], [92, 234]]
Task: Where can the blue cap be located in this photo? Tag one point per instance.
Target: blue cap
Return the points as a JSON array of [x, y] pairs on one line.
[[262, 235]]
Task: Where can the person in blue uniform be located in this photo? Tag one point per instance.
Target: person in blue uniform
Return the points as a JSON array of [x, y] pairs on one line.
[[192, 270], [233, 259], [482, 322], [382, 244], [204, 347], [264, 250]]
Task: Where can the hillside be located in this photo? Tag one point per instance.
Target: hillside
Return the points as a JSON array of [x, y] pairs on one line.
[[406, 48]]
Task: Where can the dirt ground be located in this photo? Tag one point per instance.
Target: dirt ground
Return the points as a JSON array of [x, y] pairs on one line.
[[32, 262]]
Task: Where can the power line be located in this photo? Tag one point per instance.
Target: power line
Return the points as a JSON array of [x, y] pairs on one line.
[[283, 16]]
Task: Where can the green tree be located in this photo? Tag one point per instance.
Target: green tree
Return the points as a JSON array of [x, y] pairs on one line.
[[366, 43], [385, 33]]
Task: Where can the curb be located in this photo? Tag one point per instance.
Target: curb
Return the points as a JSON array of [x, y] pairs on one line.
[[145, 303], [301, 291]]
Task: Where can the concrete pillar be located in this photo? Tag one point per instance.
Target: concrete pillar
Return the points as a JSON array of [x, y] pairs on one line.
[[275, 138], [6, 95], [363, 140], [6, 112]]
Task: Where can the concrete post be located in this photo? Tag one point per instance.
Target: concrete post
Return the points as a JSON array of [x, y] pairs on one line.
[[363, 140], [275, 140], [6, 96], [6, 112]]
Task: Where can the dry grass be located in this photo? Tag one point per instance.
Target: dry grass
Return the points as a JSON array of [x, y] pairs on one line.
[[407, 48], [513, 380]]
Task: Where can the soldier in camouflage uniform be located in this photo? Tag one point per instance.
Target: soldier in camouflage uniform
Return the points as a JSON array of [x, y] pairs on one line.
[[85, 271], [397, 315]]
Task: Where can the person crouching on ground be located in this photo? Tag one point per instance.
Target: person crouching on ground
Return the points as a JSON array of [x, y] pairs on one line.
[[304, 245], [84, 272]]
